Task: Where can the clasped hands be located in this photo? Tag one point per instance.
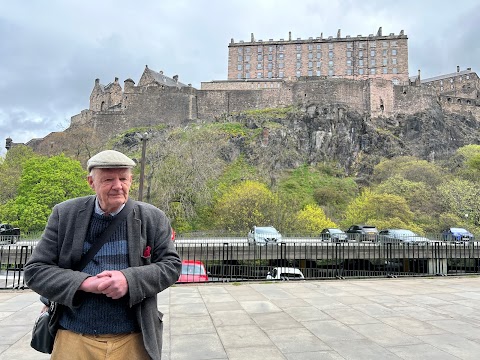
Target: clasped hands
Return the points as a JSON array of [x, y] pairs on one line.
[[113, 284]]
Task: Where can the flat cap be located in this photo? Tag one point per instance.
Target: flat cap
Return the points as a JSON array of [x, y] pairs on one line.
[[109, 159]]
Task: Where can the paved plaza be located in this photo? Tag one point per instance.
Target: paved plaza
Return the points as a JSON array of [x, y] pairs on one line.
[[403, 318]]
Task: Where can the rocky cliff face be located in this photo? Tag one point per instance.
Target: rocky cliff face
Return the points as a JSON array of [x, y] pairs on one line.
[[334, 133]]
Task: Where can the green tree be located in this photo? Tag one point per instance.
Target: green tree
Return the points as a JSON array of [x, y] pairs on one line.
[[409, 168], [460, 197], [245, 205], [44, 183], [381, 210], [311, 220]]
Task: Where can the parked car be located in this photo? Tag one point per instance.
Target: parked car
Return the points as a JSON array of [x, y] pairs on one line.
[[402, 236], [193, 271], [333, 235], [285, 273], [9, 234], [264, 235], [457, 234], [362, 232]]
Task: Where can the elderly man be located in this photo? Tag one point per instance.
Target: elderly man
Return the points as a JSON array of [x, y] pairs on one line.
[[109, 307]]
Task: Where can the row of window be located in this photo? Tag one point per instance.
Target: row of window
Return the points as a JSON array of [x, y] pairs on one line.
[[350, 45], [311, 72], [281, 65], [318, 55]]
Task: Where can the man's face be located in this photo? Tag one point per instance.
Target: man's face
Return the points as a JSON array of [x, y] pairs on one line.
[[111, 186]]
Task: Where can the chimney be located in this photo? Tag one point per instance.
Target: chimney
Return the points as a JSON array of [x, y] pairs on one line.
[[252, 38], [469, 69], [458, 68], [116, 80], [289, 36], [338, 34], [379, 32], [418, 74], [97, 81], [161, 72], [175, 78]]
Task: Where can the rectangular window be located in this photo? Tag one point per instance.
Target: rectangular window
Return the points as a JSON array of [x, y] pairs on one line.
[[299, 47], [310, 47], [394, 61], [330, 54], [349, 54], [372, 62], [299, 65], [240, 58], [310, 55], [360, 45], [349, 62], [384, 52], [239, 76], [259, 49], [330, 72], [393, 43], [349, 45], [394, 70], [330, 63], [319, 64], [441, 88], [281, 65], [259, 75], [372, 53], [281, 56], [239, 67], [247, 75], [299, 56], [360, 62], [270, 57], [310, 64], [349, 71], [259, 57], [384, 70], [280, 48], [319, 46], [384, 61], [247, 50], [281, 74], [360, 53], [269, 74], [270, 66], [259, 66], [360, 71], [373, 44], [240, 50], [270, 48], [310, 73], [330, 46], [247, 58], [298, 73], [247, 66], [319, 55], [385, 44], [318, 73], [372, 71], [394, 52]]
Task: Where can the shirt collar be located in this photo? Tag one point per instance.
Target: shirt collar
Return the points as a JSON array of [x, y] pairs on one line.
[[99, 211]]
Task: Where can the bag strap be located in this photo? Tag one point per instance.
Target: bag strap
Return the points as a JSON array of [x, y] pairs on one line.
[[102, 239]]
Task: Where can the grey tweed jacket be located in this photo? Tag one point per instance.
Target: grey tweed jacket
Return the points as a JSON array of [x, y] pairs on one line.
[[48, 270]]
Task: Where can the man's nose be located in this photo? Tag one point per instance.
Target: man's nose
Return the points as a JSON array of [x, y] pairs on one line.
[[117, 183]]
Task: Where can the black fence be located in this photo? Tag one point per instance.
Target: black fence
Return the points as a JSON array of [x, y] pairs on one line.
[[216, 260]]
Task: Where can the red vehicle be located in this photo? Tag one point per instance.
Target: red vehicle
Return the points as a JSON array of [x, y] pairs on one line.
[[193, 271]]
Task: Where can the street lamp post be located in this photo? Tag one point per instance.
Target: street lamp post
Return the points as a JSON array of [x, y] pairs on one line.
[[142, 167]]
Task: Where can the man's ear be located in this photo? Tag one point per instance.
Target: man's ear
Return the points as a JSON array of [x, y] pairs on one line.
[[90, 182]]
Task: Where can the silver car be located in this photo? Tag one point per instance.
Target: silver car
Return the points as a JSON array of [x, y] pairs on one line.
[[264, 235], [333, 235], [402, 236]]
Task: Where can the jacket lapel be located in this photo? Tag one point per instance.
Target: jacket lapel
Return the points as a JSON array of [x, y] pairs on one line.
[[134, 238], [84, 215]]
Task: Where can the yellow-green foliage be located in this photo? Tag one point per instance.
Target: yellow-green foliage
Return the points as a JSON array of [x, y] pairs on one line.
[[269, 113], [311, 220], [245, 205]]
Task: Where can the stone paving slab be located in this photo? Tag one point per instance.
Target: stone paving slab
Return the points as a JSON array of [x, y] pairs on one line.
[[403, 318]]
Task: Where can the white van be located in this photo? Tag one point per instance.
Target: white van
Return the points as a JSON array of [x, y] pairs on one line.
[[285, 273]]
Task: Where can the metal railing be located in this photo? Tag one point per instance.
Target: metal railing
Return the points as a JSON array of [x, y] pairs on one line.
[[236, 260]]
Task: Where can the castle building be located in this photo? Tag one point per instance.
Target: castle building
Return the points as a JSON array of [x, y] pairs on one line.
[[356, 58]]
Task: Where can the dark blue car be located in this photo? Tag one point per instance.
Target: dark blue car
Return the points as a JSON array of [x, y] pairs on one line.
[[457, 234]]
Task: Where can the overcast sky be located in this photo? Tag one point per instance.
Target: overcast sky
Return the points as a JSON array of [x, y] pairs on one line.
[[52, 51]]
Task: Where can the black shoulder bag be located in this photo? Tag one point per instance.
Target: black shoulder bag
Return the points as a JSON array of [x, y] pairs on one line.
[[46, 325]]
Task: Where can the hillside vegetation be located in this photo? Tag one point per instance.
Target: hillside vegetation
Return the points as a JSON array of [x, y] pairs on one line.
[[297, 169]]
